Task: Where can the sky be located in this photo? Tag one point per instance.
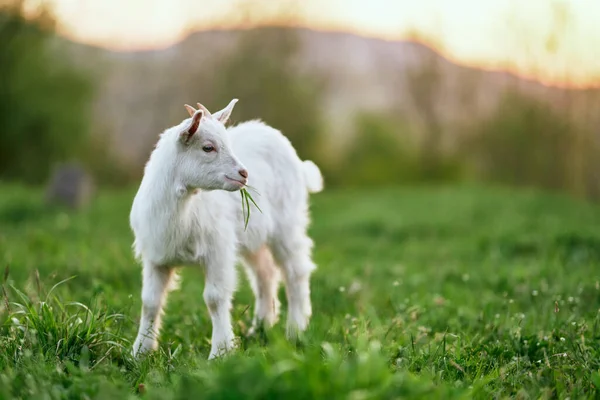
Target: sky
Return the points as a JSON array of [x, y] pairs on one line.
[[555, 41]]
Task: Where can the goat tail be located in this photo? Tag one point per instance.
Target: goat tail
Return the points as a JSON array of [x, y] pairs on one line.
[[312, 176]]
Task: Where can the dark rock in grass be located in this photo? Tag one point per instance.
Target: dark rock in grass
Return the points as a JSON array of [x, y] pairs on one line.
[[71, 186]]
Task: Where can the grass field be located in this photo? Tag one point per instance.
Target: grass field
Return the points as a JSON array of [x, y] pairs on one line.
[[420, 293]]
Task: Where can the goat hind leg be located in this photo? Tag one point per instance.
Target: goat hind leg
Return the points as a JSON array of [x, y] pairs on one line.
[[264, 277], [293, 254]]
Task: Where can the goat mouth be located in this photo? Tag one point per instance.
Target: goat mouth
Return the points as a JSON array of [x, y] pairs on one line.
[[241, 183]]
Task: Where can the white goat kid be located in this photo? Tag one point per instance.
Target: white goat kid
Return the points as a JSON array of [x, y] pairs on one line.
[[187, 211]]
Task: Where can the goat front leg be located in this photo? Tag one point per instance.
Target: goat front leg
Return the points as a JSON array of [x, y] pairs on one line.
[[218, 293], [156, 280]]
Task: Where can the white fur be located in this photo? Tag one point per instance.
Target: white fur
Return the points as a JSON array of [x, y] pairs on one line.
[[187, 213]]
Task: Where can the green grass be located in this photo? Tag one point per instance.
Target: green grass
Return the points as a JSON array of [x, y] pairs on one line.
[[420, 293], [246, 198]]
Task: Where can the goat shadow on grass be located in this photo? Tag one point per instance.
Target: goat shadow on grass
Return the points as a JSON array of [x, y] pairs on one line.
[[259, 337], [262, 337]]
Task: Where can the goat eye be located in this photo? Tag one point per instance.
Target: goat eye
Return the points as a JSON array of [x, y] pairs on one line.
[[208, 149]]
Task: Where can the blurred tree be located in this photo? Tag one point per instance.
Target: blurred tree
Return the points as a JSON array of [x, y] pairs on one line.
[[44, 101], [263, 73], [524, 142], [377, 155], [424, 87]]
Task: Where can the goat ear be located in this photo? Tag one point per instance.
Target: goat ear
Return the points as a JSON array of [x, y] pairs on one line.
[[191, 110], [187, 134], [225, 113]]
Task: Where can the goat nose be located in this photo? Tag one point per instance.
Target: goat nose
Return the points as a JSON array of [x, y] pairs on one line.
[[243, 173]]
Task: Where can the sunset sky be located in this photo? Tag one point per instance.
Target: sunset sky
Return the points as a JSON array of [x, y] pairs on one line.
[[552, 40]]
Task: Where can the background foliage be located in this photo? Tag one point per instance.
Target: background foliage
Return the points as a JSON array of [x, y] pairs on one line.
[[45, 106]]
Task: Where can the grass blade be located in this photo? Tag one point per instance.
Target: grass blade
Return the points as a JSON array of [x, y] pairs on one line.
[[247, 209], [58, 284], [246, 199], [253, 202]]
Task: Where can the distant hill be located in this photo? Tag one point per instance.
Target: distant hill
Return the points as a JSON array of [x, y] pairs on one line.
[[142, 93]]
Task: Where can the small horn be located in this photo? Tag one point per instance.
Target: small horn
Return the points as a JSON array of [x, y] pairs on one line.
[[206, 112], [191, 110]]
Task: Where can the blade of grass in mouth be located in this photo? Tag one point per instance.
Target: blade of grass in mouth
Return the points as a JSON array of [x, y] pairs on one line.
[[246, 199]]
